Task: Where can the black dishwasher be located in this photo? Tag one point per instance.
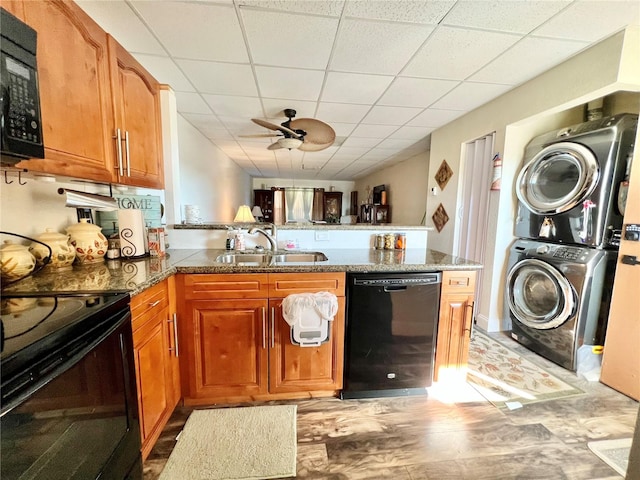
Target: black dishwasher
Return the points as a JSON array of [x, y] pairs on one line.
[[390, 333]]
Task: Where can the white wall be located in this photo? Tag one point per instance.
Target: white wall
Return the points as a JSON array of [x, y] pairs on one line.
[[406, 185], [554, 98], [208, 178]]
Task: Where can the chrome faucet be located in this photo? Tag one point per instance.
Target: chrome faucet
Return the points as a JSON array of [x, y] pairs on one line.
[[271, 237]]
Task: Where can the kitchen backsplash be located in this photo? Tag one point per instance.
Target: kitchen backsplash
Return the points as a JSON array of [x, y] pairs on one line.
[[31, 207]]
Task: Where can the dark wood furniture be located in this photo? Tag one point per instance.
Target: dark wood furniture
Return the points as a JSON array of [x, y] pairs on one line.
[[264, 199], [332, 207]]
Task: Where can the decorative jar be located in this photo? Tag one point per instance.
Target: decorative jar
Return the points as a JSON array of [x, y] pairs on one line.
[[89, 242], [16, 261], [62, 252]]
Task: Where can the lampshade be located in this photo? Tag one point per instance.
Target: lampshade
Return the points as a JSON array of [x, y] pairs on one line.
[[257, 211], [244, 215]]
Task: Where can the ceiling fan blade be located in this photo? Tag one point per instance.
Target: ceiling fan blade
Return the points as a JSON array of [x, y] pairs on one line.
[[318, 132], [260, 135], [273, 126], [274, 146], [313, 147]]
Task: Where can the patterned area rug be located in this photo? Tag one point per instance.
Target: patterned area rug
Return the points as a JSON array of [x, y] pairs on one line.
[[614, 453], [506, 379]]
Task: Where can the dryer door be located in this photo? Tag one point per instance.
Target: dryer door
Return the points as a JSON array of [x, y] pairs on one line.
[[538, 295], [558, 178]]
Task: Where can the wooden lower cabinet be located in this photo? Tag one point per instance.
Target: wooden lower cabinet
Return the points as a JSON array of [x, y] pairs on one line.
[[454, 325], [154, 343], [236, 344]]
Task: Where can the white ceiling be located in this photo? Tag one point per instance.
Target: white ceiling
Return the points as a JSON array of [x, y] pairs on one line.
[[382, 73]]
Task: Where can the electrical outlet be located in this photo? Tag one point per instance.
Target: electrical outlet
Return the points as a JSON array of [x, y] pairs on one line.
[[322, 235]]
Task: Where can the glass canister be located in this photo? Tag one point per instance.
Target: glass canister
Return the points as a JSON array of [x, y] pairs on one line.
[[401, 241], [389, 241], [379, 241]]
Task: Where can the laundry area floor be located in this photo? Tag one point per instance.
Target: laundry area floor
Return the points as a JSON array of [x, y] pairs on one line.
[[453, 433]]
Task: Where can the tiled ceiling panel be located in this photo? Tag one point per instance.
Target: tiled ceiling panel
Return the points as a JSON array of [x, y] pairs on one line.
[[366, 46], [383, 74]]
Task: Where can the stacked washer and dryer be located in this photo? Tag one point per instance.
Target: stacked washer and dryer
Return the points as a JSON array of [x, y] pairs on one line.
[[560, 270]]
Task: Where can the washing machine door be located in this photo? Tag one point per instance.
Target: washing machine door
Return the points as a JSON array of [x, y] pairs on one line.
[[558, 178], [538, 295]]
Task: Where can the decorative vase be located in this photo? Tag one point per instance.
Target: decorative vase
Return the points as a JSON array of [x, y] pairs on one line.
[[62, 252], [15, 261], [88, 241]]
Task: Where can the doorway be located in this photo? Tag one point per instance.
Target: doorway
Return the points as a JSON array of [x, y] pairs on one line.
[[476, 172]]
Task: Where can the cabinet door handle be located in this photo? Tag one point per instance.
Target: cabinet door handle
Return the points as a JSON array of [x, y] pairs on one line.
[[470, 323], [273, 326], [264, 328], [126, 144], [118, 137], [151, 305], [174, 320]]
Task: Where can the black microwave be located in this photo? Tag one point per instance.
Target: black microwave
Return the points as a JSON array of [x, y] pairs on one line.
[[20, 118]]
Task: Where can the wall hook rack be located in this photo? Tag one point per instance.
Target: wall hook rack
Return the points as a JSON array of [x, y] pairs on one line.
[[6, 177]]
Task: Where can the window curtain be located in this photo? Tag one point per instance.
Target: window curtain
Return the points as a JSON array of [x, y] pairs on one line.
[[317, 212], [299, 204], [279, 213]]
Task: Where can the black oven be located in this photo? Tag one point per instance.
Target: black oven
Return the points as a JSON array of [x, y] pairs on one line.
[[20, 119], [69, 407]]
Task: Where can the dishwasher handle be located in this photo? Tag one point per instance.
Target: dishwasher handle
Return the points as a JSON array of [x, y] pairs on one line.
[[398, 288]]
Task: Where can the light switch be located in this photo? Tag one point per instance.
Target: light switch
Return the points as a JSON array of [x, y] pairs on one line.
[[322, 236]]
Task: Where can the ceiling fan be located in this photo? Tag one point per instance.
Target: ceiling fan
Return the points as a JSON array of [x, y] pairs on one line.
[[306, 134]]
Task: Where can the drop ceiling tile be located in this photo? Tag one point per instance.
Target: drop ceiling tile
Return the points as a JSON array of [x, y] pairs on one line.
[[274, 108], [289, 83], [117, 18], [425, 11], [361, 142], [272, 41], [504, 16], [348, 153], [470, 95], [354, 88], [331, 8], [220, 78], [165, 71], [366, 46], [433, 118], [591, 20], [202, 120], [416, 92], [234, 106], [343, 129], [455, 53], [396, 143], [188, 102], [374, 155], [341, 112], [412, 133], [381, 115], [197, 31], [528, 58], [374, 131], [241, 126]]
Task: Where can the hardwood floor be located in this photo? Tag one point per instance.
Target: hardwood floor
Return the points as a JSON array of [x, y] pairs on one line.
[[451, 434]]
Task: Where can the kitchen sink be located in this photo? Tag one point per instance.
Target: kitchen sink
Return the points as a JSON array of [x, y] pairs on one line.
[[268, 258], [243, 258], [300, 257]]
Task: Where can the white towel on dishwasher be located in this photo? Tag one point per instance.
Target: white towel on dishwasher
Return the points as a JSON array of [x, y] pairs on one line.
[[308, 315]]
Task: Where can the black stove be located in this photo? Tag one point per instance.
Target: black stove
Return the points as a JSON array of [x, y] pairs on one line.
[[68, 394]]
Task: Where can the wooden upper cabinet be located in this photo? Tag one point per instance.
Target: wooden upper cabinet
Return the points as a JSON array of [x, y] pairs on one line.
[[14, 7], [75, 95], [136, 103]]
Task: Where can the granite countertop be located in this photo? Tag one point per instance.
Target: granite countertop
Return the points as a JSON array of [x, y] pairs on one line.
[[135, 276], [304, 226]]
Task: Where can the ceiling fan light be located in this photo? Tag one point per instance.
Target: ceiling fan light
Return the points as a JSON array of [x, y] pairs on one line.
[[289, 143]]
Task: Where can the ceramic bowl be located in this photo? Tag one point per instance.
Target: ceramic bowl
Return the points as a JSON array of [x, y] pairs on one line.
[[15, 261], [62, 252], [88, 241]]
